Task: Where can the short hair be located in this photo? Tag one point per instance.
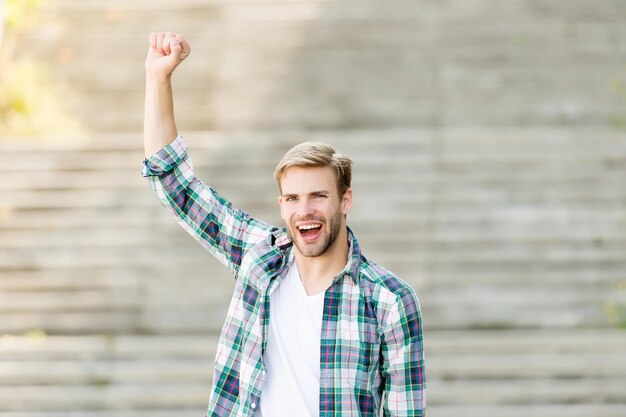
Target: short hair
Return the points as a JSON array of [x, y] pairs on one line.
[[317, 154]]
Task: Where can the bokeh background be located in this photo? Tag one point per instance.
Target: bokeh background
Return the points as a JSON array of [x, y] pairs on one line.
[[489, 140]]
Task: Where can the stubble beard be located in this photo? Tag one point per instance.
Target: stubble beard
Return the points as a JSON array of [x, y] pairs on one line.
[[329, 239]]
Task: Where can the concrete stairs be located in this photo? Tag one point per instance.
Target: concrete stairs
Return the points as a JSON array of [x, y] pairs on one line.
[[459, 215], [488, 174], [476, 373], [513, 238], [344, 64]]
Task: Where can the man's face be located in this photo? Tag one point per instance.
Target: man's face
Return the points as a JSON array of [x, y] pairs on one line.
[[312, 209]]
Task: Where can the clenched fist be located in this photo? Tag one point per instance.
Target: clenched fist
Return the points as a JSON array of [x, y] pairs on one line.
[[167, 50]]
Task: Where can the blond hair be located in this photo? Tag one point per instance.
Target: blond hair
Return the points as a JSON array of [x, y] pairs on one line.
[[317, 154]]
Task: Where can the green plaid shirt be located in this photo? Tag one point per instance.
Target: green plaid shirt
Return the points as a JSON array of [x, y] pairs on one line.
[[371, 339]]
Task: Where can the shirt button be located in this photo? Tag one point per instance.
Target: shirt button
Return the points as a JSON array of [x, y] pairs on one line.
[[253, 405]]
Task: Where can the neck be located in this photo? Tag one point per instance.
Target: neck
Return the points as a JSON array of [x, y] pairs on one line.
[[317, 273]]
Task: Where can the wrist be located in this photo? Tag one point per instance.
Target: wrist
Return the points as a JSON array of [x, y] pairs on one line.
[[156, 78]]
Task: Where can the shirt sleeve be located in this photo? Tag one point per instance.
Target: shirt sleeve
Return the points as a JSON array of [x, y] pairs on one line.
[[403, 359], [202, 212]]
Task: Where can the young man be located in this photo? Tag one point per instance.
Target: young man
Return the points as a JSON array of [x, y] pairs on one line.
[[313, 328]]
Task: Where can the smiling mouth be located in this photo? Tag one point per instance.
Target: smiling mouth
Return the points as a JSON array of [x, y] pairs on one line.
[[310, 231]]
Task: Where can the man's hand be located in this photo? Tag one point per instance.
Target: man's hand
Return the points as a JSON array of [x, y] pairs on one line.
[[167, 50]]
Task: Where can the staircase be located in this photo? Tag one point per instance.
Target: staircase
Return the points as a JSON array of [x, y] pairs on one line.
[[487, 174], [347, 64]]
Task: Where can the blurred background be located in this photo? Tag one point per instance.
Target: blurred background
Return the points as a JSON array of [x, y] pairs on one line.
[[489, 141]]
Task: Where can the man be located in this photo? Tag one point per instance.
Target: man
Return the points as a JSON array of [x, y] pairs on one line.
[[313, 328]]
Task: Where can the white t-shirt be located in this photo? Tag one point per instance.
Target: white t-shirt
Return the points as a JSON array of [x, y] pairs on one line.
[[292, 357]]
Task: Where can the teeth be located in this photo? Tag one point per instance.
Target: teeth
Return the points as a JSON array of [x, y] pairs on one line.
[[309, 226]]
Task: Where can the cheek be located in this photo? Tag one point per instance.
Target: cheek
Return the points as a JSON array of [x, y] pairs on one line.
[[285, 213]]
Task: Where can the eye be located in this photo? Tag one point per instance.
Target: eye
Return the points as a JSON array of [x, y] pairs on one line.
[[320, 196], [290, 198]]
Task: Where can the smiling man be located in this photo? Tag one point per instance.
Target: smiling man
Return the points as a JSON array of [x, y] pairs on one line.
[[314, 328]]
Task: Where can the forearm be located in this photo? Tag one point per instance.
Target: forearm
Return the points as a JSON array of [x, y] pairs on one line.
[[159, 127]]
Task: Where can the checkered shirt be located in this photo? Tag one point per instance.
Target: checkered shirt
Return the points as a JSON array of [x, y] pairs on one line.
[[371, 338]]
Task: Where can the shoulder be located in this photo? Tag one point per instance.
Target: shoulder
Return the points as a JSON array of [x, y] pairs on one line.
[[267, 252], [380, 280], [389, 295]]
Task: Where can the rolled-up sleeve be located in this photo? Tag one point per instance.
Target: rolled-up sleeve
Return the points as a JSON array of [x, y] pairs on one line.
[[165, 159]]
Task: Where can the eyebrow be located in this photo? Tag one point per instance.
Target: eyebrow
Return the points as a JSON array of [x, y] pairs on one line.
[[326, 192]]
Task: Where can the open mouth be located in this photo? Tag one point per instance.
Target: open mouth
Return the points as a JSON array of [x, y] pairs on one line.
[[310, 231]]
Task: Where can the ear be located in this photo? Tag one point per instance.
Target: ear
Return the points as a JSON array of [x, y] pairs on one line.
[[280, 203], [346, 201]]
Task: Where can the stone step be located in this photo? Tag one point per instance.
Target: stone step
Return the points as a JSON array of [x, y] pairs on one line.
[[552, 243], [106, 372], [448, 262], [138, 320], [179, 412], [522, 410], [476, 7], [387, 199], [79, 323], [482, 145], [125, 347], [579, 276], [215, 293], [457, 10], [498, 165], [533, 392], [203, 298], [443, 343], [128, 179], [58, 289], [456, 231], [557, 410], [551, 246], [103, 397], [422, 277], [481, 318], [111, 279], [328, 32], [70, 279], [442, 222], [105, 256], [128, 84], [203, 320], [208, 320], [525, 367], [508, 140], [518, 368]]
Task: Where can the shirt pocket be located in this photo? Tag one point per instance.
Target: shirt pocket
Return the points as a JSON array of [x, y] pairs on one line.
[[359, 357]]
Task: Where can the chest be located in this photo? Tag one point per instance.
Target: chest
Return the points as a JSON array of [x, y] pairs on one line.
[[295, 319], [348, 330]]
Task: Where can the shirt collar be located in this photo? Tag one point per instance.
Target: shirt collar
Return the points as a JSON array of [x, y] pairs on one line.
[[354, 258]]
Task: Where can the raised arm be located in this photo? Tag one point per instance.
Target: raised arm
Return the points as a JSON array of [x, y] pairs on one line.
[[166, 51], [225, 231]]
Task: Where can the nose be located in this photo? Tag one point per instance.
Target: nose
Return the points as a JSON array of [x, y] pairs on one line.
[[305, 208]]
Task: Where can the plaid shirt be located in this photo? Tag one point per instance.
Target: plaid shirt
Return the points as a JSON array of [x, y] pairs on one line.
[[371, 338]]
